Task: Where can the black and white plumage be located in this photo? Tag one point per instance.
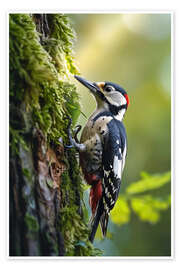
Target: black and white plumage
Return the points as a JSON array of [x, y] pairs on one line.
[[102, 149]]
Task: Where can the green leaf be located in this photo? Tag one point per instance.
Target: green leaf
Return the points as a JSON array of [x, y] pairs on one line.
[[149, 182], [121, 212], [161, 204], [148, 208], [144, 210]]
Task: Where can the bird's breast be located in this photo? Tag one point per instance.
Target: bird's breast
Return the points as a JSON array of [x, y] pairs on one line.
[[93, 138], [96, 125]]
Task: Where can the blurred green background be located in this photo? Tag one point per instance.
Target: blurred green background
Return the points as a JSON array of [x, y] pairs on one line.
[[133, 50]]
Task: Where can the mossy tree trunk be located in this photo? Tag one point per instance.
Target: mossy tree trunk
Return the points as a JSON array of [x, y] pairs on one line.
[[45, 192]]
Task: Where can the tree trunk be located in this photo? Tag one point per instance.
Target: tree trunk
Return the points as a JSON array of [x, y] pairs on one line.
[[47, 217]]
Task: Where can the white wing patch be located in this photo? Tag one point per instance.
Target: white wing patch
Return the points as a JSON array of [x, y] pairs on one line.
[[117, 167], [124, 156]]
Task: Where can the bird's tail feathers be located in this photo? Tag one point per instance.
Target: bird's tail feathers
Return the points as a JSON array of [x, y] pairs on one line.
[[104, 223], [94, 221]]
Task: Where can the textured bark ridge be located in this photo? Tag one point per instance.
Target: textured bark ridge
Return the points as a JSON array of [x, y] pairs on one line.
[[49, 170], [47, 214], [35, 198]]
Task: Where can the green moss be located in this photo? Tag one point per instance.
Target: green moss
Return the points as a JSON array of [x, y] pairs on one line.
[[39, 79], [72, 223], [60, 44], [31, 223], [29, 63], [26, 173], [75, 233], [34, 76], [16, 138]]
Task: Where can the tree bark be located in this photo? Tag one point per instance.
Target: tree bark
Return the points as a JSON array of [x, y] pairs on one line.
[[46, 190]]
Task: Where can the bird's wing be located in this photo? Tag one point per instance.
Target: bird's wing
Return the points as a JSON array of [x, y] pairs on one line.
[[113, 159]]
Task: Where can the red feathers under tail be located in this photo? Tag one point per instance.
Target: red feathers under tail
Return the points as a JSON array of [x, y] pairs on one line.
[[95, 195]]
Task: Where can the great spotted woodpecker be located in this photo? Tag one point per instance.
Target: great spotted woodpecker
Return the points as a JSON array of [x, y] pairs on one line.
[[102, 150]]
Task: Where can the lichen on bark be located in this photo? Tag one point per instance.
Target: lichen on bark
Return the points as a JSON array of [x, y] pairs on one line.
[[46, 190]]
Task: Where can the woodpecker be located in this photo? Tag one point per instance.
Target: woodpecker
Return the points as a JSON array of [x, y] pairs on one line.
[[102, 149]]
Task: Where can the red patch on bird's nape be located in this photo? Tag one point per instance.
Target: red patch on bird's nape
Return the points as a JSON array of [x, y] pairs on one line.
[[127, 99]]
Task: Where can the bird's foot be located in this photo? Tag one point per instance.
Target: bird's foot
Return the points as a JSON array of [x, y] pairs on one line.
[[74, 142]]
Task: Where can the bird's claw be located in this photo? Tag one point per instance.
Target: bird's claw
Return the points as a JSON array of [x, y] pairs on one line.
[[76, 131], [74, 141]]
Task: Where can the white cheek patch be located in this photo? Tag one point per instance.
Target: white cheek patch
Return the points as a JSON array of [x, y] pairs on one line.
[[122, 100], [112, 101], [116, 98]]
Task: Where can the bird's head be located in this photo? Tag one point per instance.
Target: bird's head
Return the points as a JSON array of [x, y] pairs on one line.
[[108, 95]]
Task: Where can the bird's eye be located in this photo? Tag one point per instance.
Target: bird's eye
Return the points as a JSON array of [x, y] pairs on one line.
[[108, 89]]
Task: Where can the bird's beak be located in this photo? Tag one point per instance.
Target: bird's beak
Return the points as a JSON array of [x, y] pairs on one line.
[[93, 87]]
